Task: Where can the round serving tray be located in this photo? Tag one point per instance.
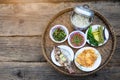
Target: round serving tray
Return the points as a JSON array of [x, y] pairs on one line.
[[63, 18]]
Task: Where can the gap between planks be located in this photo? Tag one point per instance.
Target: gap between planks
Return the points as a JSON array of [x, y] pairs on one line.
[[29, 49], [32, 18], [43, 71], [20, 35]]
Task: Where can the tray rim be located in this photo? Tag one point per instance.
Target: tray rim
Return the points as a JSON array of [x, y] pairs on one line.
[[101, 66]]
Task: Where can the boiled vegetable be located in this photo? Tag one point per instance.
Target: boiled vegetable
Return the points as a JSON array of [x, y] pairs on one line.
[[101, 38], [59, 34], [91, 37], [96, 35]]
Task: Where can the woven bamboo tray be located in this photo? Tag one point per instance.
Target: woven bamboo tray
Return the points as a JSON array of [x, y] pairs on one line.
[[63, 18]]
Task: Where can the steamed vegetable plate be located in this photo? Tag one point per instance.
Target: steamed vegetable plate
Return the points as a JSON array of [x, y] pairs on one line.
[[59, 34], [95, 37]]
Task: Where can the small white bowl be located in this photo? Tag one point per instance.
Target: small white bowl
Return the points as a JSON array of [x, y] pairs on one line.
[[81, 33], [61, 27]]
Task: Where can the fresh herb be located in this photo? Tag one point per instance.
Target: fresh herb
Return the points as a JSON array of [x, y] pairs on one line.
[[91, 38], [59, 34]]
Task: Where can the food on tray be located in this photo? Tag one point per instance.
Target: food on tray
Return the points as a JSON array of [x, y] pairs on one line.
[[91, 37], [77, 39], [82, 17], [62, 59], [59, 34], [96, 35], [80, 21], [59, 56], [86, 58]]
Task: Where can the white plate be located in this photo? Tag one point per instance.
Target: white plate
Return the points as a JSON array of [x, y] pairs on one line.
[[68, 52], [95, 65], [94, 27]]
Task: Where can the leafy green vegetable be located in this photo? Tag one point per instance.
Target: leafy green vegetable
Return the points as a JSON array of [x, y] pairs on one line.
[[91, 38], [59, 34]]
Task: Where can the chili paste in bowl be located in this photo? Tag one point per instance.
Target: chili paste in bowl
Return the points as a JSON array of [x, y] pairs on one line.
[[77, 39]]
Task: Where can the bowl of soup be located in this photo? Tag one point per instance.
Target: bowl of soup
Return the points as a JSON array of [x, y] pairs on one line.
[[77, 39]]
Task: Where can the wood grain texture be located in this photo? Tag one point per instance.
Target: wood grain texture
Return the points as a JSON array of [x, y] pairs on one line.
[[21, 49], [29, 49], [55, 1], [22, 23], [42, 71], [32, 18]]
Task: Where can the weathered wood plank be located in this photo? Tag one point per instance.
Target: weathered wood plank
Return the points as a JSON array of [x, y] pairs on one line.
[[29, 49], [21, 49], [43, 71], [28, 21], [32, 18], [37, 1]]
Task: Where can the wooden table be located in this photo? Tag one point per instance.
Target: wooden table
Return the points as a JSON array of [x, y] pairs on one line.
[[22, 23]]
